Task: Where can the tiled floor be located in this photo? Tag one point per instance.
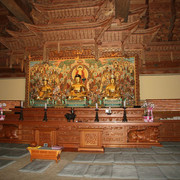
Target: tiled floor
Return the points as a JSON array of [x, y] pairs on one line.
[[156, 163]]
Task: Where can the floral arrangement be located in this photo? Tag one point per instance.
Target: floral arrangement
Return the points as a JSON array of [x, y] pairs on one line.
[[148, 111], [2, 116]]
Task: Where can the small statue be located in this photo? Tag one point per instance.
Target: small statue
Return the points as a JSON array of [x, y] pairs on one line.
[[78, 89], [45, 92], [112, 91]]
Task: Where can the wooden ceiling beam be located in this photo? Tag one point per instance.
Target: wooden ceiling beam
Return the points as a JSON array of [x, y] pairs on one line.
[[16, 10]]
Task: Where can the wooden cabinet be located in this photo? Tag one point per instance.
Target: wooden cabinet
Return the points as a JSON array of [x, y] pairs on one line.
[[91, 140]]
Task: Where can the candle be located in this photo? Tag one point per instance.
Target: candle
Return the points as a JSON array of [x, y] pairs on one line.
[[124, 103], [45, 106], [21, 103], [96, 105]]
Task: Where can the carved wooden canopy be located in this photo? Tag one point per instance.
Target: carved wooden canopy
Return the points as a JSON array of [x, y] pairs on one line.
[[58, 29]]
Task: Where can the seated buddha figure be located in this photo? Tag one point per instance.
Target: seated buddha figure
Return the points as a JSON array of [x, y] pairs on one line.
[[45, 92], [78, 89], [111, 91]]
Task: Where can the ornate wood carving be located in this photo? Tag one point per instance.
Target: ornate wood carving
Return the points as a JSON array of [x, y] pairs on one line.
[[90, 140], [9, 131], [57, 131], [143, 134]]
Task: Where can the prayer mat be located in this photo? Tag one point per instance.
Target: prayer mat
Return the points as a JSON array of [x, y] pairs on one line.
[[150, 173], [143, 159], [3, 151], [166, 143], [129, 151], [161, 150], [13, 145], [123, 158], [173, 149], [124, 172], [99, 171], [87, 158], [4, 163], [176, 157], [37, 166], [74, 170], [164, 159], [112, 150], [145, 151], [171, 172], [14, 153], [104, 158]]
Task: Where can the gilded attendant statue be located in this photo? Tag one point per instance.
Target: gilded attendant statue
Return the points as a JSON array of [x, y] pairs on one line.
[[112, 91], [46, 91]]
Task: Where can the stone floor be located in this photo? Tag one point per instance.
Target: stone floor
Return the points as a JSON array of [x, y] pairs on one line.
[[120, 163]]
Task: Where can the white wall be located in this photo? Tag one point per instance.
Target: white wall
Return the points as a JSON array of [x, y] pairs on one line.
[[12, 88], [160, 86], [151, 87]]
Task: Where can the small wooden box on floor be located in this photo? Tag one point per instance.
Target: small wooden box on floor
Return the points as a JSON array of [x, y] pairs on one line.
[[91, 140]]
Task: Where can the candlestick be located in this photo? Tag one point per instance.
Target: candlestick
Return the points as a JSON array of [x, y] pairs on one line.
[[45, 115], [124, 115], [96, 117]]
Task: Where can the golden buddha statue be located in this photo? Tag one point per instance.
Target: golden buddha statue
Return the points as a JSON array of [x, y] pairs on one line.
[[112, 91], [78, 89], [45, 92]]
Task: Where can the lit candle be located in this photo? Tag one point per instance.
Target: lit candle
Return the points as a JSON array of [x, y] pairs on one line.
[[96, 105], [124, 103], [21, 103], [45, 106]]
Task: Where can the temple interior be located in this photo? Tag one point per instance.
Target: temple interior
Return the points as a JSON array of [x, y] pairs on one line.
[[92, 86]]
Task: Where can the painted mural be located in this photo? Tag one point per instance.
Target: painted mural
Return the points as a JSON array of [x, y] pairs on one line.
[[52, 82]]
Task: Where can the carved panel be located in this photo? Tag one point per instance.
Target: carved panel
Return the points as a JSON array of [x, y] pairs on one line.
[[143, 134], [45, 135], [90, 139]]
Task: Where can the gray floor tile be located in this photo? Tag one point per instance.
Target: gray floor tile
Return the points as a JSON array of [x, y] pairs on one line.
[[164, 159], [143, 158], [74, 170], [85, 158], [150, 173], [99, 171], [122, 158], [124, 172], [171, 172], [104, 158]]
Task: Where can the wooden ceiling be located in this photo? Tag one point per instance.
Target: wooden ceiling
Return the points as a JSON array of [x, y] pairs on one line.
[[58, 29]]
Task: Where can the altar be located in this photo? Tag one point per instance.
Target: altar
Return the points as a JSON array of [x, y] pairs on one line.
[[58, 131]]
